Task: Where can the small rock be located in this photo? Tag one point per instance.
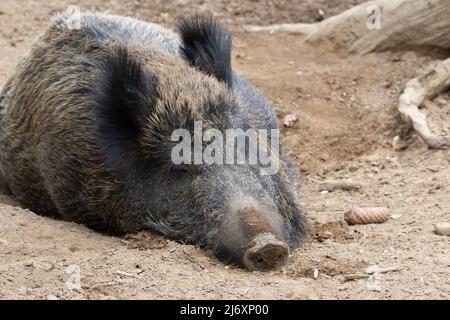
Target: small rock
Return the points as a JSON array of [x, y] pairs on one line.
[[316, 274], [327, 235], [289, 120], [398, 144], [442, 229], [45, 265], [374, 282]]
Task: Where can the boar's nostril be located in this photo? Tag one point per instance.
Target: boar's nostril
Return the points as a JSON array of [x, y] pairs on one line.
[[266, 252]]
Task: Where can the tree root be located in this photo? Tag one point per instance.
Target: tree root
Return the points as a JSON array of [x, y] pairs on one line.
[[417, 92], [378, 25], [402, 24]]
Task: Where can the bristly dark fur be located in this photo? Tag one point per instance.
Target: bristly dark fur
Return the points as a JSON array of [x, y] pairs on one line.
[[87, 137], [125, 96], [207, 46]]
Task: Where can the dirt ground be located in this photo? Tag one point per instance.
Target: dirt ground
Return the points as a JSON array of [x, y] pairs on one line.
[[346, 108]]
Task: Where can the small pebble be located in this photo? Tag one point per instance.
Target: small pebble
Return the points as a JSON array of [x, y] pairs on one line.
[[316, 273], [289, 120], [442, 229]]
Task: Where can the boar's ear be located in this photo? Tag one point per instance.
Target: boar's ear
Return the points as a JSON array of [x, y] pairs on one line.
[[206, 45], [125, 96]]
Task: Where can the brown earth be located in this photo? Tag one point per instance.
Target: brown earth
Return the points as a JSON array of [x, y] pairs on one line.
[[346, 108]]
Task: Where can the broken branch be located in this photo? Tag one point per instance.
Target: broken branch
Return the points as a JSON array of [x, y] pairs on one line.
[[370, 271]]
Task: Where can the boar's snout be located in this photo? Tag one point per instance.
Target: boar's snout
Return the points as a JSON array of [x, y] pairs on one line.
[[266, 252], [254, 236]]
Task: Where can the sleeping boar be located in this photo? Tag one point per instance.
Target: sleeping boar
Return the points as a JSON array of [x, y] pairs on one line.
[[88, 125]]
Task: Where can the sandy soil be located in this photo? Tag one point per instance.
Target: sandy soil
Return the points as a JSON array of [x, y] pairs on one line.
[[347, 119]]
